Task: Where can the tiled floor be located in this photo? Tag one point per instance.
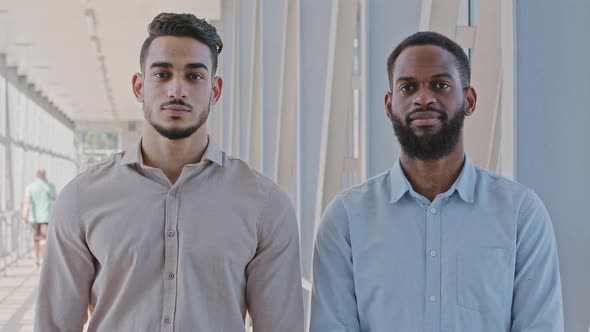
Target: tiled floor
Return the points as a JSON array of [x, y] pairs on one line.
[[18, 289]]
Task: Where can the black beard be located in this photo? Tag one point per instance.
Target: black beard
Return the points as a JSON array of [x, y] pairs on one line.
[[179, 133], [430, 146]]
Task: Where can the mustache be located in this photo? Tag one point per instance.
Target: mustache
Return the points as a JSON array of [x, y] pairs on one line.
[[177, 102], [443, 115]]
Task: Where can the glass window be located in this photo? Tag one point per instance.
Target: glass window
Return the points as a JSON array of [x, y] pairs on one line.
[[2, 106]]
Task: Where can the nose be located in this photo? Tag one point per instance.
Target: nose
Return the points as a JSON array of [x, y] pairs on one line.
[[424, 97], [176, 90]]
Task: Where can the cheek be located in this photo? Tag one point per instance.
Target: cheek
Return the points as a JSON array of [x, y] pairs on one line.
[[200, 95], [398, 108], [202, 89], [154, 87], [154, 93], [148, 99]]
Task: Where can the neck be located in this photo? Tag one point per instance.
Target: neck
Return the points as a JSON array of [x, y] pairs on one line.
[[432, 177], [172, 155]]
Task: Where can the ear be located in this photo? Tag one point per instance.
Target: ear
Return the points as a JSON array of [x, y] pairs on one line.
[[470, 100], [137, 83], [216, 89], [388, 108]]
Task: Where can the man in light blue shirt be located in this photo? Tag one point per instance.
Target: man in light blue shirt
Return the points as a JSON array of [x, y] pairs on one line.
[[37, 204], [435, 243]]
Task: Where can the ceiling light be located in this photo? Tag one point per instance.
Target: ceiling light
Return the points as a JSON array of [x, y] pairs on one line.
[[23, 44]]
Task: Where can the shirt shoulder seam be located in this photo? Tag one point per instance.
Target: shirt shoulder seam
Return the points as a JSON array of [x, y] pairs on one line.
[[368, 182], [525, 202], [264, 208]]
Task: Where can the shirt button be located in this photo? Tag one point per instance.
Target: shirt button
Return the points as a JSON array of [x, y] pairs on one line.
[[433, 210], [433, 253], [170, 233], [170, 276], [433, 299], [167, 320]]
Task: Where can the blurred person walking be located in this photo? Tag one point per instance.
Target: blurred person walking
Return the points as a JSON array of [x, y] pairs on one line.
[[37, 204]]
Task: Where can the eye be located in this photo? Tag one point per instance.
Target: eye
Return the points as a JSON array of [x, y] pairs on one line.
[[161, 74], [195, 76], [441, 85], [406, 88]]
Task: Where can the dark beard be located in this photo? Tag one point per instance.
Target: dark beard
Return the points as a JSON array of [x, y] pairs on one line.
[[430, 146], [180, 133]]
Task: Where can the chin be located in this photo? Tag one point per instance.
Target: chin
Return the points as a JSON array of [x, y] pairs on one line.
[[425, 132]]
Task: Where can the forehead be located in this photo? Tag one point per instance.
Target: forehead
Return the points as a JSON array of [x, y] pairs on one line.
[[427, 60], [178, 50]]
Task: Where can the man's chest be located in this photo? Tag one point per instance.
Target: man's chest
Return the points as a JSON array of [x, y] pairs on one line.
[[155, 228]]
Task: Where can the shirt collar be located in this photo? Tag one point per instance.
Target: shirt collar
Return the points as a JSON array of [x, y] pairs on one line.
[[212, 153], [398, 182], [464, 185]]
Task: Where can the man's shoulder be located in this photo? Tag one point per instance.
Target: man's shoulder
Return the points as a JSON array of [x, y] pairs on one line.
[[493, 188], [373, 190], [97, 171], [33, 187], [249, 186], [249, 177], [492, 181]]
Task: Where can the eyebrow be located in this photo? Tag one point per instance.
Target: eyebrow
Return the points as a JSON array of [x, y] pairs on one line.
[[405, 78], [192, 65], [196, 65], [409, 78], [161, 64], [447, 75]]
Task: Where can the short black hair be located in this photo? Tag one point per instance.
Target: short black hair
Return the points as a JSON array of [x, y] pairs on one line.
[[436, 39], [182, 25]]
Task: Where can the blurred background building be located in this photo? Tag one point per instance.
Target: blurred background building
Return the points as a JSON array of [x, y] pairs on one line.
[[303, 99]]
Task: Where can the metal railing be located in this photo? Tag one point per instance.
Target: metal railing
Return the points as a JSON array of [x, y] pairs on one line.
[[16, 239]]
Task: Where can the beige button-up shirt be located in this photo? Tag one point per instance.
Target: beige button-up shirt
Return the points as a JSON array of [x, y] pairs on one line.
[[142, 254]]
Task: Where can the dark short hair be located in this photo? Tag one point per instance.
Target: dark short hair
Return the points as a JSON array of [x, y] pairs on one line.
[[436, 39], [182, 25]]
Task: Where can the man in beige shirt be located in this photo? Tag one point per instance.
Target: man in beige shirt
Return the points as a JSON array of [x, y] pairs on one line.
[[174, 235]]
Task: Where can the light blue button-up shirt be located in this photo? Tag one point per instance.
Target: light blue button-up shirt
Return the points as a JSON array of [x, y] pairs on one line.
[[480, 257]]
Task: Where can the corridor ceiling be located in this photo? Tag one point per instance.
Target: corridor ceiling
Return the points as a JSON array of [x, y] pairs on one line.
[[81, 54]]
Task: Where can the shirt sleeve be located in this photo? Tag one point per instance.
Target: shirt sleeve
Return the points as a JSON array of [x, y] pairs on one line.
[[68, 270], [537, 300], [333, 306], [28, 191], [52, 192], [273, 277]]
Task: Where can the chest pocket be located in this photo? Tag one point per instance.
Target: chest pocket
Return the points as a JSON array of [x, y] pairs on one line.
[[482, 278]]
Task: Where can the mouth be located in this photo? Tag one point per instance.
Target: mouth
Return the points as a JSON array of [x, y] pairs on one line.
[[426, 121], [176, 110], [425, 118]]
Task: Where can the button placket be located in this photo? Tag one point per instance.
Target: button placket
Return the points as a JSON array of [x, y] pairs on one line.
[[433, 267], [171, 258]]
